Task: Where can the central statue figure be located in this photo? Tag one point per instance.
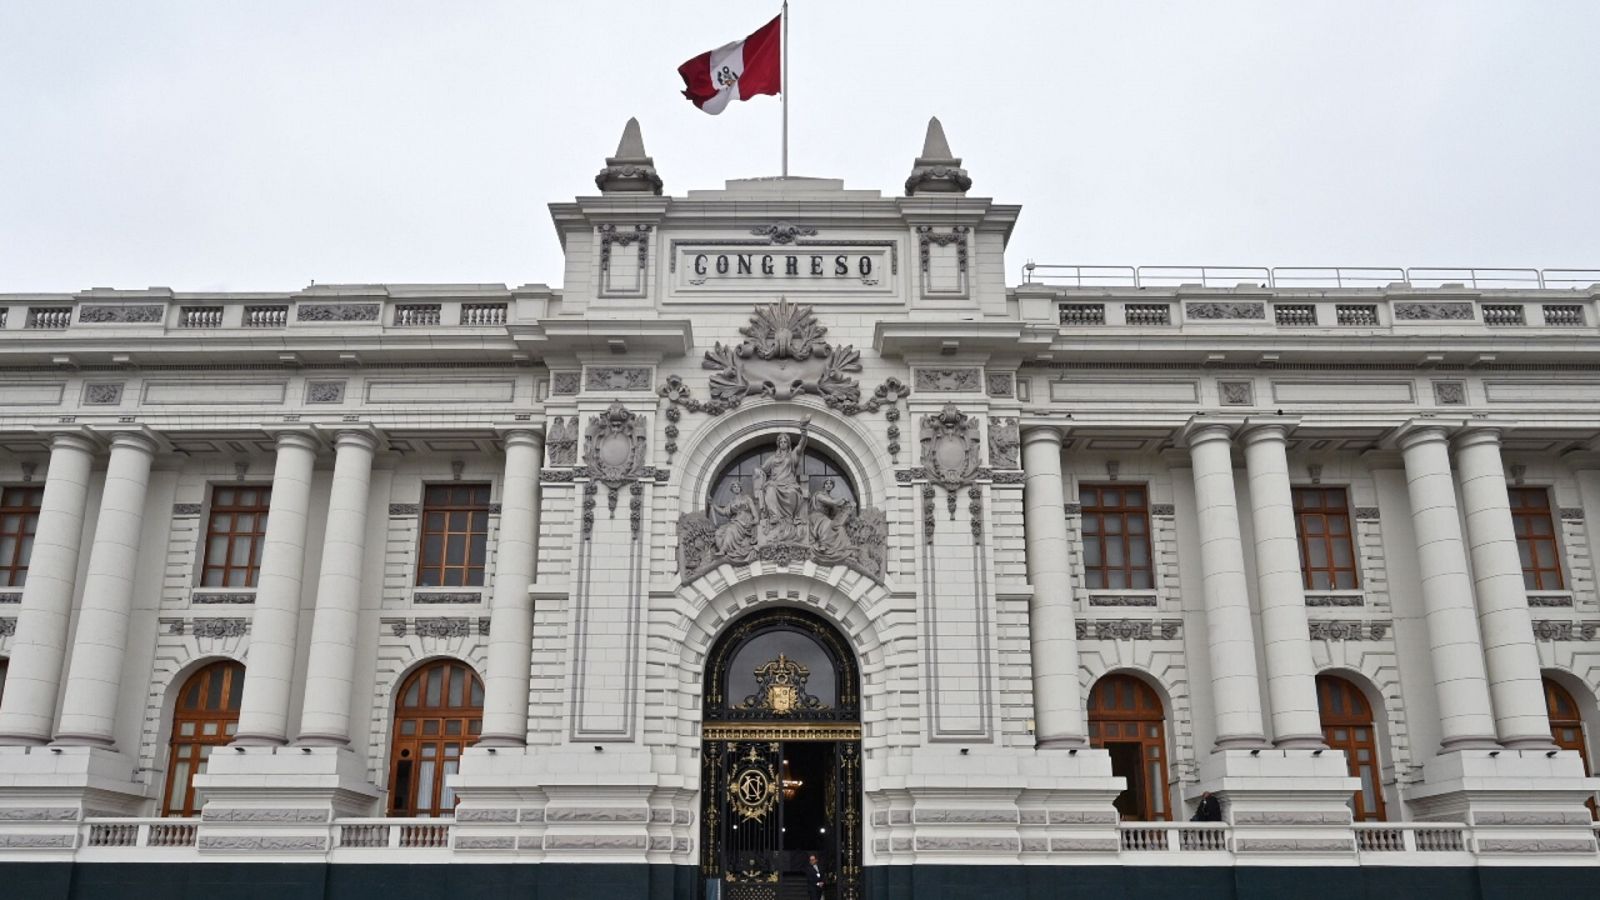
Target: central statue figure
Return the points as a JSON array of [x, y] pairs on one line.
[[782, 495]]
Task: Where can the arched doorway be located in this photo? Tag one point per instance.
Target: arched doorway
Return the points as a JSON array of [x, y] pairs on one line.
[[438, 713], [781, 758], [1127, 719], [205, 717], [1347, 725], [1566, 727]]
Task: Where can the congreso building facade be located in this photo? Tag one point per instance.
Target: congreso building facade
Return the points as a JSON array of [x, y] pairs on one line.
[[788, 541]]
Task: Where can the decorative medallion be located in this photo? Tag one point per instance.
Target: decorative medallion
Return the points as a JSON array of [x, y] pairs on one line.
[[784, 354], [614, 446], [950, 445], [753, 789]]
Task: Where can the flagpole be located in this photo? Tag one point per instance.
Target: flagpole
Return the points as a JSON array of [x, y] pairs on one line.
[[783, 55]]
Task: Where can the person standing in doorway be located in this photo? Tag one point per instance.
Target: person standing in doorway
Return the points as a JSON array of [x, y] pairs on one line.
[[814, 877]]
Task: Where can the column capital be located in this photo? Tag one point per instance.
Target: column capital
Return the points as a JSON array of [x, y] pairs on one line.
[[1268, 428], [1034, 434], [1423, 430], [301, 437], [70, 438], [1204, 429], [352, 434], [1476, 435], [134, 438], [526, 435]]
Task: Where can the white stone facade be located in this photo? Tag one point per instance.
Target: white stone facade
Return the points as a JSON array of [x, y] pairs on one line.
[[978, 643]]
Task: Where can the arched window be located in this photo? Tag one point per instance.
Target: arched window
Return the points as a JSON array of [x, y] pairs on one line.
[[204, 718], [1566, 727], [1347, 725], [1127, 719], [816, 468], [439, 712]]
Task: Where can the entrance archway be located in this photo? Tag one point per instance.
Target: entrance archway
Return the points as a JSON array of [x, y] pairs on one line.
[[781, 759]]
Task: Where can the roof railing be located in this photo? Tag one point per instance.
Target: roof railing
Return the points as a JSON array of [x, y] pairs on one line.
[[1309, 276]]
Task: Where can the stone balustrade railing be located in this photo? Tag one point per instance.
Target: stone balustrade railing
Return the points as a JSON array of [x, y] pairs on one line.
[[1088, 310], [164, 314], [1141, 843]]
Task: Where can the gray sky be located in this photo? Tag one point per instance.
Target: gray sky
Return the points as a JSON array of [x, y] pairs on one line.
[[260, 145]]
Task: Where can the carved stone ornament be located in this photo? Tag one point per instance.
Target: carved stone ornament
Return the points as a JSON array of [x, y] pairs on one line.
[[130, 315], [1005, 442], [562, 441], [1225, 311], [338, 312], [564, 384], [1129, 629], [1555, 630], [104, 393], [783, 232], [950, 446], [949, 380], [620, 378], [614, 446], [785, 354], [324, 392], [783, 522], [442, 627], [1347, 630], [220, 628], [1432, 312], [1450, 393]]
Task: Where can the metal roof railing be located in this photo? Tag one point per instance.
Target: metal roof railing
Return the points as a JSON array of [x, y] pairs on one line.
[[1309, 276]]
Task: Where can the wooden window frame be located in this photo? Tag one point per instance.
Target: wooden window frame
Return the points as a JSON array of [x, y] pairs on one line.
[[1579, 741], [195, 748], [406, 751], [1542, 571], [1144, 719], [471, 575], [1097, 576], [1364, 719], [14, 570], [1326, 515], [256, 536]]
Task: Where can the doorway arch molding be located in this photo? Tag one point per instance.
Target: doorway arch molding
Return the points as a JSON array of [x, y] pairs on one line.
[[878, 624]]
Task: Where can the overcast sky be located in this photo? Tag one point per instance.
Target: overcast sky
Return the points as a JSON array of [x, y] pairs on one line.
[[260, 145]]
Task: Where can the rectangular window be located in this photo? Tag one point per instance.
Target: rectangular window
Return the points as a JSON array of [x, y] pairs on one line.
[[1327, 550], [1116, 537], [19, 519], [1536, 539], [234, 535], [455, 533]]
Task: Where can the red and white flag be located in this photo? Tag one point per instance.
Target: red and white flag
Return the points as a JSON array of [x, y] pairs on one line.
[[742, 69]]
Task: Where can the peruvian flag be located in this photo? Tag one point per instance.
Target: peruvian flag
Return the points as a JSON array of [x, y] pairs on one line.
[[741, 69]]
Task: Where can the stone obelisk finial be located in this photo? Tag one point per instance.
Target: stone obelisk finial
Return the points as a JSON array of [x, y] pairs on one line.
[[630, 171], [937, 170]]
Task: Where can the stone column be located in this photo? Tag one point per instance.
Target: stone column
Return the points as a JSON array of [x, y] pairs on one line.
[[1053, 637], [269, 669], [33, 678], [505, 686], [1291, 678], [1516, 686], [330, 670], [1235, 685], [1459, 682], [94, 675]]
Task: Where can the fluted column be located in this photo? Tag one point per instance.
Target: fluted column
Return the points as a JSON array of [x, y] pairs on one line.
[[1516, 686], [1291, 678], [33, 675], [1053, 638], [1235, 684], [331, 667], [505, 686], [94, 674], [1459, 681], [269, 669]]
